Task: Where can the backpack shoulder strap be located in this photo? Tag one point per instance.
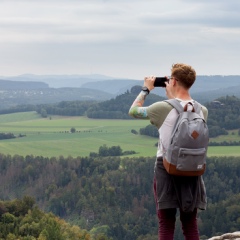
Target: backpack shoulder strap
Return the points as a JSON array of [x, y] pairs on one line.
[[197, 107], [176, 104]]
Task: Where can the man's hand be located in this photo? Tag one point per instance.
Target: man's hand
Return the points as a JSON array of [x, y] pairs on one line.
[[149, 82]]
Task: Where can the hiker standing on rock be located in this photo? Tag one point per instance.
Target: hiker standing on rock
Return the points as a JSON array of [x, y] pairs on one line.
[[186, 193]]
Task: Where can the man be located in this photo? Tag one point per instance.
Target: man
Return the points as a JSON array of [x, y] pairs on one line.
[[172, 192]]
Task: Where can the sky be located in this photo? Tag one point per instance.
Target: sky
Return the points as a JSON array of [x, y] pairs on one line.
[[119, 38]]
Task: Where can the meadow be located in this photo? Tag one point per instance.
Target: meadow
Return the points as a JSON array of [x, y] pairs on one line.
[[51, 137]]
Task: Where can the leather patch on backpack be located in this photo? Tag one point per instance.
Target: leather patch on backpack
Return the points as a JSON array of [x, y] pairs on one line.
[[195, 134]]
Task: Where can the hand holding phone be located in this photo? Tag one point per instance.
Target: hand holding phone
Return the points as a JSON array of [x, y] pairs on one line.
[[160, 82]]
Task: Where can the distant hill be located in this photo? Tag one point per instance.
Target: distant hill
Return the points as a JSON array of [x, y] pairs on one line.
[[10, 98], [208, 96], [60, 81], [114, 86], [117, 85], [13, 85], [100, 87], [216, 82], [206, 88]]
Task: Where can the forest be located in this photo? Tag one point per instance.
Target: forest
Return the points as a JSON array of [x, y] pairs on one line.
[[114, 195], [21, 219]]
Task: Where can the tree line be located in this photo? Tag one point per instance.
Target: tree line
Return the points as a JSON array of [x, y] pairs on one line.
[[225, 143], [64, 108], [6, 136], [112, 195]]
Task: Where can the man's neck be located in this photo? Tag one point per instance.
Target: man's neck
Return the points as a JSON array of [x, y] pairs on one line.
[[183, 95]]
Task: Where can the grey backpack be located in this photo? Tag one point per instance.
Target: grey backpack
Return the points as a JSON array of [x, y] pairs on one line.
[[186, 154]]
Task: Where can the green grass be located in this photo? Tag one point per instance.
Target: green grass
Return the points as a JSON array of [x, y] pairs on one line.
[[18, 117], [51, 137], [224, 151]]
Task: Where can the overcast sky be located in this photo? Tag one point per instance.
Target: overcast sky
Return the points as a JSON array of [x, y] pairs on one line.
[[119, 38]]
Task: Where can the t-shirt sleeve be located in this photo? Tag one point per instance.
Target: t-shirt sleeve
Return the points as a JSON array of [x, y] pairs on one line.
[[157, 112], [205, 112]]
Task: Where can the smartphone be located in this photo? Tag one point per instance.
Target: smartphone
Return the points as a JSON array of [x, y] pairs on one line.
[[160, 82]]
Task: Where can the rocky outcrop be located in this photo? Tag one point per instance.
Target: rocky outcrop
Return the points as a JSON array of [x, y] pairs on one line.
[[227, 236]]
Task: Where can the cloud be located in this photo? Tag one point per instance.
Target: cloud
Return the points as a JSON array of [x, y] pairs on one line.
[[199, 14], [108, 36], [97, 21]]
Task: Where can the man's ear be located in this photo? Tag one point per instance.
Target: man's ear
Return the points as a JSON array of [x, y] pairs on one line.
[[174, 82]]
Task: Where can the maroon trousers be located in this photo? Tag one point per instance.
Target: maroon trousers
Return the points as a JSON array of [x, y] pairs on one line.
[[167, 219]]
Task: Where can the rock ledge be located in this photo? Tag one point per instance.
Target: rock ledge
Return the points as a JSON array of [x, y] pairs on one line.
[[227, 236]]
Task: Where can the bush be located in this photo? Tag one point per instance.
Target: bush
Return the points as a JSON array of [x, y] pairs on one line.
[[134, 131]]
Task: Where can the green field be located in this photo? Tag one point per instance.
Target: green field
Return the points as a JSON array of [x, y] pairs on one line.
[[232, 136], [51, 137]]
